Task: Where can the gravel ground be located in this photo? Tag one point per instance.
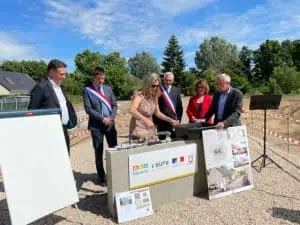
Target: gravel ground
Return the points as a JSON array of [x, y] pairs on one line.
[[275, 198]]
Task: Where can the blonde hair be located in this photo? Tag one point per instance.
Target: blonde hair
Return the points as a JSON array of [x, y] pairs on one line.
[[148, 91]]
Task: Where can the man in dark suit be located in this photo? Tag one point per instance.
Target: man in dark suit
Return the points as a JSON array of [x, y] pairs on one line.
[[101, 106], [170, 104], [226, 105], [50, 93]]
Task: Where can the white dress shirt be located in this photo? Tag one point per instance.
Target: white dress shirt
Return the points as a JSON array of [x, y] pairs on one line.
[[168, 88], [62, 102]]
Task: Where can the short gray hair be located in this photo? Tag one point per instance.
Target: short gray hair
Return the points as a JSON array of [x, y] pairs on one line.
[[224, 76], [168, 74]]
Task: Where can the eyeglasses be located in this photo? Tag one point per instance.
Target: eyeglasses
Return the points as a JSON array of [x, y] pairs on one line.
[[202, 87], [155, 86]]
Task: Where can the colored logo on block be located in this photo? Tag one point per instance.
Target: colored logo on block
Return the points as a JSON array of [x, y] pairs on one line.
[[140, 167], [181, 158], [174, 160]]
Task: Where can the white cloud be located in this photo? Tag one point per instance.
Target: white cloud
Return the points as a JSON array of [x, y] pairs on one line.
[[179, 6], [134, 25], [115, 24], [194, 35], [189, 54], [12, 49], [277, 19]]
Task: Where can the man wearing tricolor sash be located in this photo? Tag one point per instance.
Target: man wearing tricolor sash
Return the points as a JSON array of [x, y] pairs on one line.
[[170, 104], [100, 104]]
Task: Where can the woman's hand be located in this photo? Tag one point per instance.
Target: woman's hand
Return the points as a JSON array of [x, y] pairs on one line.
[[149, 123], [174, 122], [200, 121]]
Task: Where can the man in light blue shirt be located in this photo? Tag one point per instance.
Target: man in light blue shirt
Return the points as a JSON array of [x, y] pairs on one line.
[[227, 104]]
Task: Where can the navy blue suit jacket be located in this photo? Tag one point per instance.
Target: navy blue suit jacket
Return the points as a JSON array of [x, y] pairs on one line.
[[232, 108], [93, 107]]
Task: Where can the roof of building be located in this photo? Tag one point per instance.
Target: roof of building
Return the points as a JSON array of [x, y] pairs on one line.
[[225, 172], [16, 82]]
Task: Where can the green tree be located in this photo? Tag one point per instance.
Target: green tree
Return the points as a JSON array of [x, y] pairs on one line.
[[287, 48], [296, 54], [215, 53], [72, 85], [195, 71], [115, 69], [190, 81], [266, 58], [142, 64], [238, 81], [287, 78], [246, 59], [209, 75], [37, 70], [114, 59], [173, 61], [274, 87], [85, 63]]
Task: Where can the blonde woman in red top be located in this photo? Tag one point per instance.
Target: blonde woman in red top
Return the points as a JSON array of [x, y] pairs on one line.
[[200, 103]]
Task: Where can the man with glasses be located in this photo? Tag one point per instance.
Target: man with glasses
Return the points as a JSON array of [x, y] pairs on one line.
[[226, 105], [50, 93], [170, 104]]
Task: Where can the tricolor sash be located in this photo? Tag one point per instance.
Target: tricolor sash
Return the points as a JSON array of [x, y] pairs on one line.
[[168, 100], [101, 97]]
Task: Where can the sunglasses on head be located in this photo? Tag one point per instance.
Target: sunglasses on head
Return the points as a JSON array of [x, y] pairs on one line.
[[155, 86]]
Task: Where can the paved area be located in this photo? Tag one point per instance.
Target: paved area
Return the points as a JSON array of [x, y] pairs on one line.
[[275, 199]]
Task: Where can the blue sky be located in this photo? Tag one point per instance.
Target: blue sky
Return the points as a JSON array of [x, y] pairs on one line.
[[46, 29]]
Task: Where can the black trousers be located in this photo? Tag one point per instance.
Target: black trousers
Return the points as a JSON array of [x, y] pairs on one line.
[[97, 136], [67, 138]]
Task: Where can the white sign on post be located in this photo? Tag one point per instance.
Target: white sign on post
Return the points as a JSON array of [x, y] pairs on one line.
[[37, 174], [227, 160], [133, 204], [154, 167]]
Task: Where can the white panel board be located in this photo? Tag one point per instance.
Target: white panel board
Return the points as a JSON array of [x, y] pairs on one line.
[[36, 169]]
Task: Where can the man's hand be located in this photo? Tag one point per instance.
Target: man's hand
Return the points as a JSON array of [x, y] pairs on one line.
[[220, 125], [107, 121]]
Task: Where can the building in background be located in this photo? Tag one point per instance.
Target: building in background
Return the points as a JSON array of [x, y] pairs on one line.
[[13, 83], [14, 90]]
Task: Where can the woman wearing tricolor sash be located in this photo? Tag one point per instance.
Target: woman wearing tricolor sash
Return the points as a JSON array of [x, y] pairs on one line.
[[144, 105]]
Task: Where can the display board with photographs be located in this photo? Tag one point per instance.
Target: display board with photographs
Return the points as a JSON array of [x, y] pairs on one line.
[[133, 204], [227, 161]]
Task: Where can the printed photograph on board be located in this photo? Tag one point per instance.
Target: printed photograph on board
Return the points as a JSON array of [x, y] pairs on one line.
[[241, 160], [226, 178], [125, 201]]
